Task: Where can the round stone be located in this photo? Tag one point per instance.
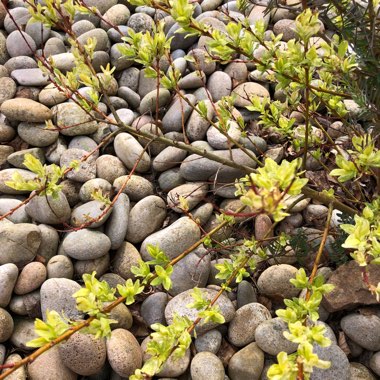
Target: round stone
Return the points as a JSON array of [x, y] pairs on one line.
[[178, 305], [60, 266], [137, 188], [129, 150], [247, 363], [109, 168], [153, 308], [363, 330], [36, 134], [52, 360], [126, 256], [19, 43], [243, 92], [19, 243], [83, 354], [205, 364], [209, 341], [242, 328], [173, 240], [94, 212], [31, 277], [274, 282], [269, 337], [86, 244], [6, 325], [124, 352], [145, 218], [57, 294], [23, 109]]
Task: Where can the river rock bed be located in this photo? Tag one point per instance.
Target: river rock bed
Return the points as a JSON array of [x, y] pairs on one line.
[[43, 257]]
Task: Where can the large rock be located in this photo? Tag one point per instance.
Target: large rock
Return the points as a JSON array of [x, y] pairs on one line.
[[174, 239], [345, 297], [19, 243], [178, 305]]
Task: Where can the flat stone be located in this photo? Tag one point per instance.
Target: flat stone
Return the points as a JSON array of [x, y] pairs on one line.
[[197, 168], [345, 297], [23, 109], [30, 77]]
